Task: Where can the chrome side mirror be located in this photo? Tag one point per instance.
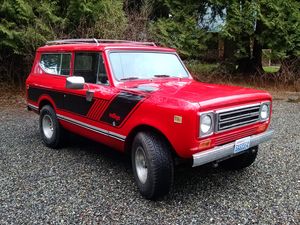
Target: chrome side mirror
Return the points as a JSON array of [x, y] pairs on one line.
[[75, 82]]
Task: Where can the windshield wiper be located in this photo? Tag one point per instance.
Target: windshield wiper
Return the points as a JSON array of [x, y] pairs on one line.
[[129, 78], [161, 75]]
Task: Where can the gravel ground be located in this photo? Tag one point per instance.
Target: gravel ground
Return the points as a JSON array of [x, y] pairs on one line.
[[87, 183]]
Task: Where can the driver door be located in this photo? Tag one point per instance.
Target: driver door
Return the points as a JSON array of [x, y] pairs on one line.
[[90, 66]]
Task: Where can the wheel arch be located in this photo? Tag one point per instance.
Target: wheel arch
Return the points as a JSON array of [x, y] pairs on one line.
[[141, 128], [46, 100]]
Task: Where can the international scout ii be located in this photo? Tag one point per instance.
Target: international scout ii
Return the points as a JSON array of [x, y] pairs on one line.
[[140, 99]]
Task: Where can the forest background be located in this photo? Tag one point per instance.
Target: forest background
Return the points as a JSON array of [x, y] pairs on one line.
[[251, 42]]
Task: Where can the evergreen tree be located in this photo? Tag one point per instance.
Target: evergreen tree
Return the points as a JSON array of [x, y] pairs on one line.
[[181, 28], [256, 24]]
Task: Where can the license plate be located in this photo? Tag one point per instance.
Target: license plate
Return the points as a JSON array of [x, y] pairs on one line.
[[241, 145]]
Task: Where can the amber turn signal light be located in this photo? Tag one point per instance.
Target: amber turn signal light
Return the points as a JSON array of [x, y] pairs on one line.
[[205, 144], [262, 128]]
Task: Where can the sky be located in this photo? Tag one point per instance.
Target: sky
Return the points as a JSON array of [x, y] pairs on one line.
[[213, 25]]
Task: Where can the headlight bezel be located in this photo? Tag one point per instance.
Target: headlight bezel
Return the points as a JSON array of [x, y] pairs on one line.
[[214, 118], [210, 131], [268, 113]]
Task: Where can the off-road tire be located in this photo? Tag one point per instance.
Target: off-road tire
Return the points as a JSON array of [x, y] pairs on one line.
[[159, 162]]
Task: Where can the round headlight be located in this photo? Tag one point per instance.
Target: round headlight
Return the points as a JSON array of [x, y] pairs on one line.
[[206, 123], [264, 112]]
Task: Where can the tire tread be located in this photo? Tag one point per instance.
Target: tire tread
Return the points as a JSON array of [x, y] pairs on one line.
[[162, 169]]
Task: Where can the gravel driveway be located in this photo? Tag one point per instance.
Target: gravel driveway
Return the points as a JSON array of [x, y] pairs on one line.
[[88, 183]]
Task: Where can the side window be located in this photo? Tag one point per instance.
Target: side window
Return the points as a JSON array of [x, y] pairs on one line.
[[90, 66], [58, 64]]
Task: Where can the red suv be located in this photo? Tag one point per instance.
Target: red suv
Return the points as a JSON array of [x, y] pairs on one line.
[[140, 99]]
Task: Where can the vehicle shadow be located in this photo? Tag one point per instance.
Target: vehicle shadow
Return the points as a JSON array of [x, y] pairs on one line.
[[96, 150], [188, 181]]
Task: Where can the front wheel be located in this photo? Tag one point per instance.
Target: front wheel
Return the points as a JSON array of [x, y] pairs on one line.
[[50, 129], [152, 164], [241, 161]]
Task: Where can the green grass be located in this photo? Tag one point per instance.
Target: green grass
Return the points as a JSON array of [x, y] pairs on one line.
[[197, 67], [271, 69]]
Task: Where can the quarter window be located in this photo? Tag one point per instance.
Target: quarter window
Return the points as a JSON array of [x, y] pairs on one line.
[[58, 64]]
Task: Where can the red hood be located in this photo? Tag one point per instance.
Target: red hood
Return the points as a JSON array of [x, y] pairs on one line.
[[203, 93]]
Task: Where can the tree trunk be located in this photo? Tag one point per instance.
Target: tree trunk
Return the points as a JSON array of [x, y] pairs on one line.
[[229, 48], [245, 64], [257, 47], [253, 63]]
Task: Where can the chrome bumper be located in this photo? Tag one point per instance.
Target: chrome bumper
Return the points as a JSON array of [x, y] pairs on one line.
[[226, 151]]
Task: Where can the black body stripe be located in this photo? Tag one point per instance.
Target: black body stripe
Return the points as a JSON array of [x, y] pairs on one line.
[[35, 93], [77, 104], [64, 101], [120, 107], [115, 111]]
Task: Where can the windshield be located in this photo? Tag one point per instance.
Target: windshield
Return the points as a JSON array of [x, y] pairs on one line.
[[146, 65]]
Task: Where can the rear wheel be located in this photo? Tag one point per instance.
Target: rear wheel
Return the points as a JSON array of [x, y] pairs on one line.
[[50, 129], [152, 164], [241, 161]]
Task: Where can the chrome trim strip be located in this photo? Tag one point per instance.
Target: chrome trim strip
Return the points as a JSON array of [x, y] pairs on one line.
[[244, 116], [236, 125], [225, 151], [239, 111], [33, 106], [238, 107], [232, 128], [92, 128]]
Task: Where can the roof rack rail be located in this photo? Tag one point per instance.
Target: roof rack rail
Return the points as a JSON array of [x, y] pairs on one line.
[[96, 41]]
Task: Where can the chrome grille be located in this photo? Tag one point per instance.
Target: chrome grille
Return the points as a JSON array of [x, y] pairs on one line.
[[237, 117]]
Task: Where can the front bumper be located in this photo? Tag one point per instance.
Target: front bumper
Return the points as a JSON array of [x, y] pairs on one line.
[[226, 151]]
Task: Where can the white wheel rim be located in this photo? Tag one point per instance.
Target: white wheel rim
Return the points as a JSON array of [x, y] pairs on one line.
[[141, 165], [47, 125]]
